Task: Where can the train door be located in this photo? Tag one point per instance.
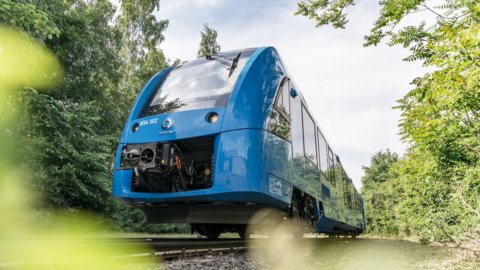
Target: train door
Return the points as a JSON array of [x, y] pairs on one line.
[[297, 139], [278, 141], [328, 183]]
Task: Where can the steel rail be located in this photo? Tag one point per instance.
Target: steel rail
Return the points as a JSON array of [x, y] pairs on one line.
[[169, 249]]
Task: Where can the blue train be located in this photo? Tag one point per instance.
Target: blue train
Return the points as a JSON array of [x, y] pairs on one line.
[[213, 141]]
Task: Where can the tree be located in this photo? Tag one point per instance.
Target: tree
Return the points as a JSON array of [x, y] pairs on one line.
[[379, 170], [208, 44], [69, 134], [141, 56], [381, 194], [28, 17], [440, 115], [66, 135]]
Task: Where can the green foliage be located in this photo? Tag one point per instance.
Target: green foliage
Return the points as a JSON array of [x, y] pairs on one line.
[[68, 136], [208, 44], [86, 46], [141, 35], [433, 191], [441, 114], [392, 13], [441, 121], [27, 17], [325, 11], [69, 159], [379, 195], [379, 170]]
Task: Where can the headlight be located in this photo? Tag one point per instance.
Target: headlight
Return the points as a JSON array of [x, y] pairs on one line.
[[212, 117], [135, 127]]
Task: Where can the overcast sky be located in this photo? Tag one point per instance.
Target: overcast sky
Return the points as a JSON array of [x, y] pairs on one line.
[[350, 89]]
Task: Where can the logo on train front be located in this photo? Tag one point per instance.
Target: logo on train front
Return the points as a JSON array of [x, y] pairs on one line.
[[167, 123]]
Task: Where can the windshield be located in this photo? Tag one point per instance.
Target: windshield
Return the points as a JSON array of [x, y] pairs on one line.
[[203, 83]]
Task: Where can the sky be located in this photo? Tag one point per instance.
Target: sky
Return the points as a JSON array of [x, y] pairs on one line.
[[350, 89]]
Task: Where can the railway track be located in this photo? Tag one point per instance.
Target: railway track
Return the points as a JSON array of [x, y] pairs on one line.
[[170, 249], [165, 248]]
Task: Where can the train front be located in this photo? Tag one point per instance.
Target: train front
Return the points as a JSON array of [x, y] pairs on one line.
[[191, 150]]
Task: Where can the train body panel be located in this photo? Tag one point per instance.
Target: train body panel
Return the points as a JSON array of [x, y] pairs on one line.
[[249, 144], [252, 97]]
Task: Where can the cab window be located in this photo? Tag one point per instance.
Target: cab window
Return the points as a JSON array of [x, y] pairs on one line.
[[280, 117]]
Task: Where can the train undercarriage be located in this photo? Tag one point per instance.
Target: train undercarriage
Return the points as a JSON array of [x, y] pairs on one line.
[[212, 219]]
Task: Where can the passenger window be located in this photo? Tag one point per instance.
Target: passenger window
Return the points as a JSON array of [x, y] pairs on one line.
[[322, 152], [280, 118], [356, 202], [331, 167], [309, 137], [347, 189]]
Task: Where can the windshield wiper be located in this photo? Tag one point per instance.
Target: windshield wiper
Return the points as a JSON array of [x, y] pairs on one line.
[[224, 60], [234, 64]]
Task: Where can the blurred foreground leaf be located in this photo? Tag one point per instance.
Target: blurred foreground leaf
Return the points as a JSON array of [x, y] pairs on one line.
[[69, 241]]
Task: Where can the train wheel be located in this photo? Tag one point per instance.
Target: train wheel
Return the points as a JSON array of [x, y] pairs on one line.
[[243, 231], [211, 231], [296, 221], [212, 234]]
